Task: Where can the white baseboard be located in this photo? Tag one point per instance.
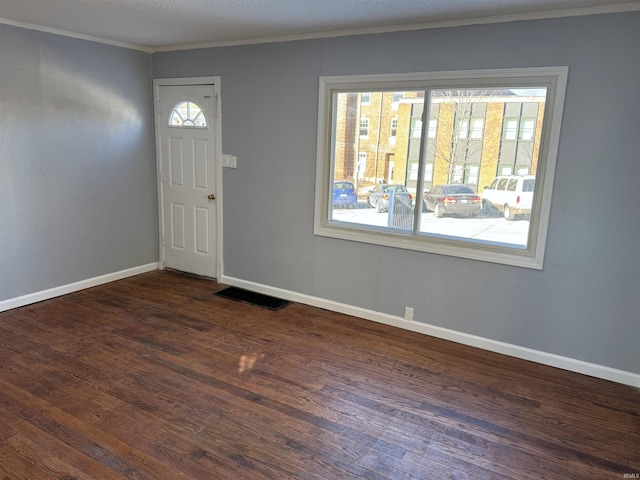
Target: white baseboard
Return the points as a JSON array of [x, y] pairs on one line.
[[550, 359], [74, 287]]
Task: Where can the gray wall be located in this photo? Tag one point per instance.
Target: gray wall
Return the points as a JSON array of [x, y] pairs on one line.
[[77, 161], [585, 304]]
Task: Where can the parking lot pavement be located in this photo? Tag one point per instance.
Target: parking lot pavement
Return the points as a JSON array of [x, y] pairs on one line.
[[494, 229]]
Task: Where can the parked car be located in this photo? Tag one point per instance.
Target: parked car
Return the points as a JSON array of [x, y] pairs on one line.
[[379, 196], [452, 199], [344, 194], [510, 194]]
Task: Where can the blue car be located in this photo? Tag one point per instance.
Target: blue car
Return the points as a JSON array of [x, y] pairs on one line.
[[344, 195], [379, 196]]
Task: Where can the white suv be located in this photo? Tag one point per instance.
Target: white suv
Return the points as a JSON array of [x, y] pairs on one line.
[[510, 194]]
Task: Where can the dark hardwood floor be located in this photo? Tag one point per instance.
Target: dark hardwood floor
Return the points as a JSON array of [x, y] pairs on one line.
[[153, 377]]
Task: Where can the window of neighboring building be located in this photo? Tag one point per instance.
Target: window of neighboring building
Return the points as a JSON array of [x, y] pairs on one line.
[[416, 128], [472, 175], [393, 131], [527, 128], [470, 128], [510, 130], [510, 226], [396, 97], [433, 127], [464, 129], [364, 127], [457, 173], [413, 171], [477, 125], [428, 172], [365, 98]]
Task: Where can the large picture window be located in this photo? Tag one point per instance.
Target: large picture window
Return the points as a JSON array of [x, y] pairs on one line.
[[474, 181]]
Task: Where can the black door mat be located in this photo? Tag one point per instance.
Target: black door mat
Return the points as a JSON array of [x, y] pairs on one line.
[[253, 298]]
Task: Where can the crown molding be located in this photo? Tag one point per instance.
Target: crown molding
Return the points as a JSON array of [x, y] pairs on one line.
[[79, 36], [574, 12]]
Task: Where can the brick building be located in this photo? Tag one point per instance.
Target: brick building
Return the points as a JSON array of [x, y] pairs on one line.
[[472, 136]]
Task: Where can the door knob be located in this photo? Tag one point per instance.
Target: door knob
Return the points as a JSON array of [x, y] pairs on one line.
[[211, 196]]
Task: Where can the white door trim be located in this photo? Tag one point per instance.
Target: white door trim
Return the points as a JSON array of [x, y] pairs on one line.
[[216, 81]]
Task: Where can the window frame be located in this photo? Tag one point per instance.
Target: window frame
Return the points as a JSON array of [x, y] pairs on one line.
[[554, 78], [176, 111]]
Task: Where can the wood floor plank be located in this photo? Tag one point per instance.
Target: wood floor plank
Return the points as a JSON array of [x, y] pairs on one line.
[[56, 448], [16, 465], [110, 451], [154, 377], [129, 419]]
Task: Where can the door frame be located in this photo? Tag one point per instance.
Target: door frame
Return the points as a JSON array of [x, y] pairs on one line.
[[217, 155]]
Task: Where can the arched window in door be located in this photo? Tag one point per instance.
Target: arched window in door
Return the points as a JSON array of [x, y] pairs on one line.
[[187, 114]]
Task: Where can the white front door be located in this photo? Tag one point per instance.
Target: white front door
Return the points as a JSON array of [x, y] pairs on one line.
[[188, 177]]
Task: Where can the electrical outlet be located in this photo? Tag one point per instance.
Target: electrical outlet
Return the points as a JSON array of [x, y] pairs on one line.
[[408, 313]]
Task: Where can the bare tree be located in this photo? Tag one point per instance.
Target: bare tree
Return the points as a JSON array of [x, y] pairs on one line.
[[461, 130]]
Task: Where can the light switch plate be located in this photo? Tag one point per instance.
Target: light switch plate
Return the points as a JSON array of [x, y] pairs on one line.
[[229, 161]]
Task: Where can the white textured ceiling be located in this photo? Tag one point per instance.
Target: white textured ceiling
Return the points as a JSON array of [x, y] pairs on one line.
[[166, 24]]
